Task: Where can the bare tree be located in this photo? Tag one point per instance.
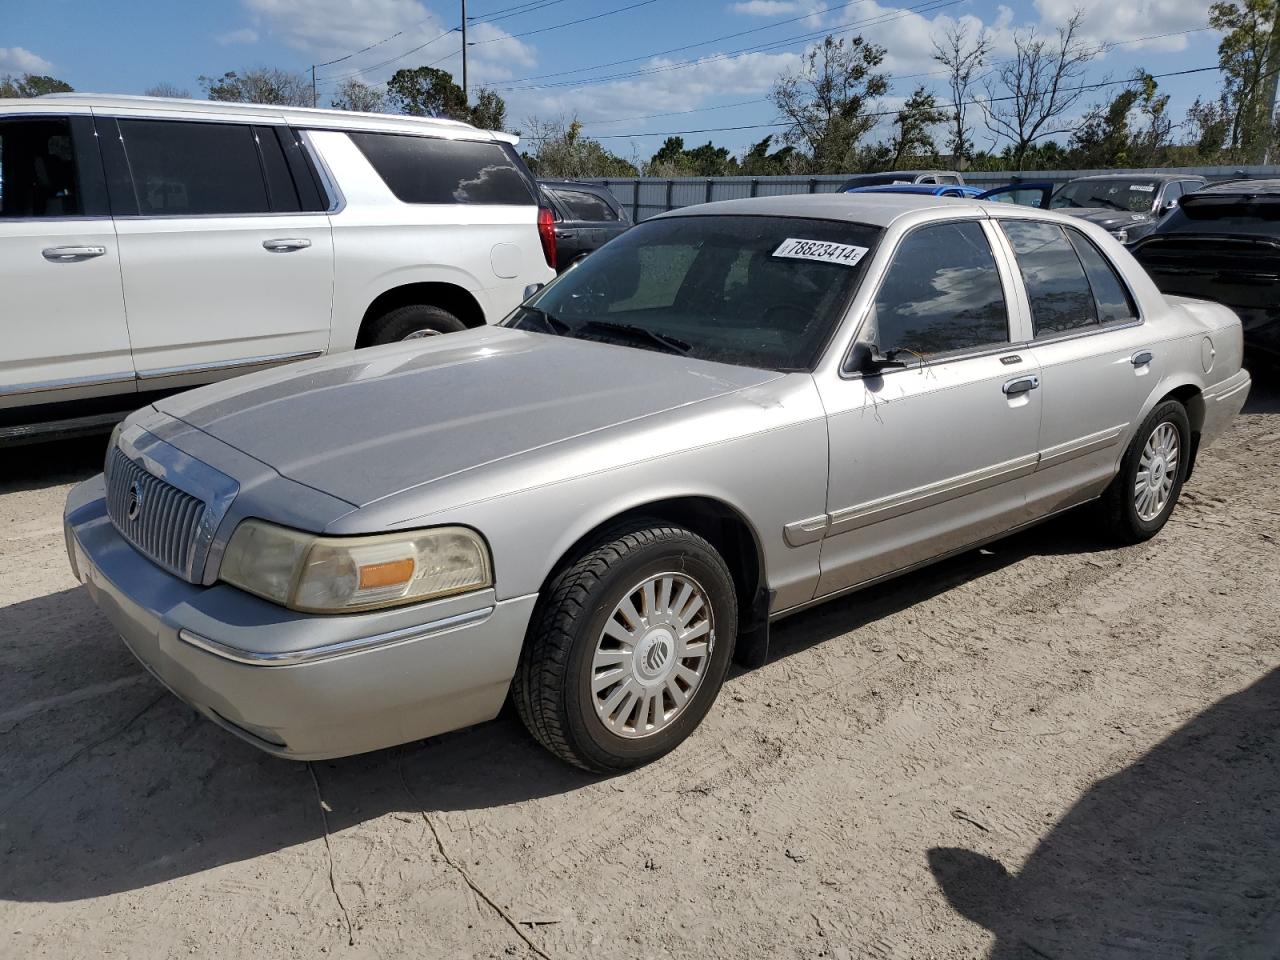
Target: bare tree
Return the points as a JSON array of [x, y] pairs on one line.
[[166, 89], [260, 85], [964, 59], [356, 95], [1031, 96], [828, 100]]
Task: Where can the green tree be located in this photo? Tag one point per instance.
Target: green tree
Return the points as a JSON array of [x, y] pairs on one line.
[[560, 151], [828, 102], [1209, 127], [427, 92], [1132, 130], [260, 85], [912, 123], [708, 160], [758, 161], [31, 85], [354, 94], [1249, 56], [490, 110]]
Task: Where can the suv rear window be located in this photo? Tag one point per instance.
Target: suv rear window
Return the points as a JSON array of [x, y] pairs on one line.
[[436, 170], [585, 206]]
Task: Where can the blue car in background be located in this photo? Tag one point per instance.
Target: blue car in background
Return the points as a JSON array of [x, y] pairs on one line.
[[929, 189]]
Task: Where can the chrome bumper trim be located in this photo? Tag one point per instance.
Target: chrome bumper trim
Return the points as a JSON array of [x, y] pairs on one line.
[[332, 650]]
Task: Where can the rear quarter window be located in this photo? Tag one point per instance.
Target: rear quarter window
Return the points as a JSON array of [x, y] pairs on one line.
[[436, 170]]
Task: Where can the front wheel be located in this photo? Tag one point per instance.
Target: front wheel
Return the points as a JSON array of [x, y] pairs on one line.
[[628, 648], [1142, 496]]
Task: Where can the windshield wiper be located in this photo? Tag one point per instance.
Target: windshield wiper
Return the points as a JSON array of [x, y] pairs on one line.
[[666, 341], [1111, 203], [552, 324]]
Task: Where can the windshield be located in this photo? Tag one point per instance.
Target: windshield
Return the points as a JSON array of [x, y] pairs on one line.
[[747, 290], [1132, 196]]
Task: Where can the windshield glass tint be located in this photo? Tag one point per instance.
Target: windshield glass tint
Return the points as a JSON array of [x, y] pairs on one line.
[[752, 291], [1135, 196]]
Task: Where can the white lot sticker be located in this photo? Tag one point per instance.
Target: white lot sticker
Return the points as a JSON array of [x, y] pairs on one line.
[[842, 253], [1143, 187]]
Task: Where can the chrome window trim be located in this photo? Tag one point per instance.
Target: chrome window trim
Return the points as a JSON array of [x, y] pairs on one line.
[[194, 478], [341, 648]]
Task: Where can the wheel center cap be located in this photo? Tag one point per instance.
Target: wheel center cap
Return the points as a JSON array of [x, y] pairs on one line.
[[655, 654], [1158, 468]]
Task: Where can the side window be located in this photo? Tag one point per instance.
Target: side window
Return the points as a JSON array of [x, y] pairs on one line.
[[586, 206], [942, 292], [1172, 191], [280, 184], [1061, 299], [436, 170], [38, 169], [1112, 298], [193, 169]]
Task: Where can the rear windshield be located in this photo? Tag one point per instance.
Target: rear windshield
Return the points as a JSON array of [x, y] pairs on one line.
[[752, 291], [436, 170], [1134, 196]]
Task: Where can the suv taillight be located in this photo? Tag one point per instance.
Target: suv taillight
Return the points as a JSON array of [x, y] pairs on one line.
[[547, 234]]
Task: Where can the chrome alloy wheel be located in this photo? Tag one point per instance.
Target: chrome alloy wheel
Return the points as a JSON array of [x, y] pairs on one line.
[[652, 655], [1157, 470], [420, 334]]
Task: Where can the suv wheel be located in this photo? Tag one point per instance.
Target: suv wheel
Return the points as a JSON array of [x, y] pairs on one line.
[[628, 648], [411, 322]]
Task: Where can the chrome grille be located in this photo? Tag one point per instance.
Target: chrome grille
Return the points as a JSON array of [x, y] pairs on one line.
[[161, 521]]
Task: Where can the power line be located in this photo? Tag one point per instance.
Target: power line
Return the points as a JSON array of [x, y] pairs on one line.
[[879, 113], [400, 56], [516, 11], [567, 23]]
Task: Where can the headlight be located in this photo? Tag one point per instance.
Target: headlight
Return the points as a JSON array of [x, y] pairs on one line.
[[315, 574]]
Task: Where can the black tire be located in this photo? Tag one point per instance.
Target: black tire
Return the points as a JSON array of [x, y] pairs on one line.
[[398, 324], [552, 686], [1118, 511]]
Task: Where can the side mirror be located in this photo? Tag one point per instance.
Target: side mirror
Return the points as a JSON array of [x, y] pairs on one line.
[[867, 359], [531, 289]]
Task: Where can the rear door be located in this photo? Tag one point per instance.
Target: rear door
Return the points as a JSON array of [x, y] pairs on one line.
[[225, 246], [1098, 361], [61, 306]]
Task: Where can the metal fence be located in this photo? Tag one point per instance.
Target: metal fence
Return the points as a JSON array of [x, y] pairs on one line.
[[646, 196]]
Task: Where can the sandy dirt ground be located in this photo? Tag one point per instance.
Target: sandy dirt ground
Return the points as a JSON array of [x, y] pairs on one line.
[[1045, 748]]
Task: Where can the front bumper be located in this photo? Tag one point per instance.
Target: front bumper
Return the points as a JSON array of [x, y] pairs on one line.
[[297, 685]]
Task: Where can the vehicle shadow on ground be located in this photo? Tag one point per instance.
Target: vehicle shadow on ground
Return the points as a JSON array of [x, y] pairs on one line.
[[34, 466], [1178, 855], [127, 787]]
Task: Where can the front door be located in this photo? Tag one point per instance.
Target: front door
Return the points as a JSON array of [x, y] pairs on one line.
[[225, 265], [930, 458], [61, 307]]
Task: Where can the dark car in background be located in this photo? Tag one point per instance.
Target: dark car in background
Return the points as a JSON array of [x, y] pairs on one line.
[[587, 216], [1222, 243], [900, 176], [1127, 206]]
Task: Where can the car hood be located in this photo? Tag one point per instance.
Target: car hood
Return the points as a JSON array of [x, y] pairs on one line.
[[1105, 217], [366, 425]]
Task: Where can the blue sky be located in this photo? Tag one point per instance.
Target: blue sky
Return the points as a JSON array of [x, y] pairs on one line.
[[129, 45]]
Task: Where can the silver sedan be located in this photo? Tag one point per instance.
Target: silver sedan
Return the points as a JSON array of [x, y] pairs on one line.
[[728, 414]]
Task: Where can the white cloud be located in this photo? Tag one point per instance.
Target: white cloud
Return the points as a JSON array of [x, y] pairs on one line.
[[243, 35], [22, 60], [1106, 21], [767, 8]]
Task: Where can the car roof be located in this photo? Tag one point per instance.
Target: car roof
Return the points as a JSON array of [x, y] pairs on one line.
[[1268, 186], [174, 107], [933, 189], [1121, 175], [873, 209]]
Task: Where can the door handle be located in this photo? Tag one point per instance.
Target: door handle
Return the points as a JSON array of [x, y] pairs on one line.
[[71, 254], [1020, 385], [1141, 358], [563, 235], [286, 245]]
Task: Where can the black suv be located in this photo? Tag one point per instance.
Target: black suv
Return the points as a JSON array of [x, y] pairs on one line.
[[587, 217], [1223, 243]]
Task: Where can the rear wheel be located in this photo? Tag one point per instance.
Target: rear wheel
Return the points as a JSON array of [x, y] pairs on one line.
[[1142, 496], [628, 648], [411, 322]]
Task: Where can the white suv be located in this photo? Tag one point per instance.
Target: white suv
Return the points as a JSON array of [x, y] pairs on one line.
[[148, 245]]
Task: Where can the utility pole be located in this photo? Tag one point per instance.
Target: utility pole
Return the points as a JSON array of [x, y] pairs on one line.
[[465, 99], [314, 101]]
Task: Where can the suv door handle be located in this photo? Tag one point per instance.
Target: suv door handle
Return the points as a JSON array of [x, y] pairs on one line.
[[1020, 385], [286, 245], [1141, 358], [71, 254]]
